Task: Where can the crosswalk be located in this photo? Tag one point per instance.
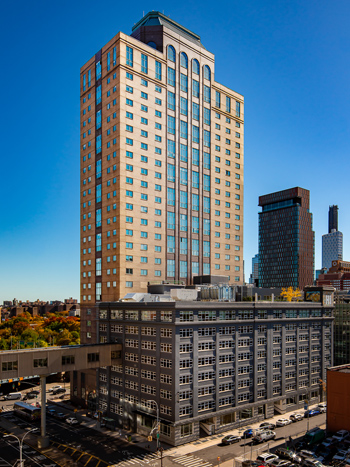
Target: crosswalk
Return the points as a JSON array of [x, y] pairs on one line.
[[191, 461], [148, 460]]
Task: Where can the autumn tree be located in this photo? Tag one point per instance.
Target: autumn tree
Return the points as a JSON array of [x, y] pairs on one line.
[[289, 294]]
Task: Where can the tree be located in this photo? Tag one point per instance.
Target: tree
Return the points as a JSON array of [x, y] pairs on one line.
[[290, 294]]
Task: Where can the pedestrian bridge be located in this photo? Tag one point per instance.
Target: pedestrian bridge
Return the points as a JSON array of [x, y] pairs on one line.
[[15, 365]]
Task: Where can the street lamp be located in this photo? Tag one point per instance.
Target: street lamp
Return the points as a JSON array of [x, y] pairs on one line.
[[20, 442], [151, 400]]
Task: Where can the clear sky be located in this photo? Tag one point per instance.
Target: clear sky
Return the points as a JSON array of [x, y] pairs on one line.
[[289, 58]]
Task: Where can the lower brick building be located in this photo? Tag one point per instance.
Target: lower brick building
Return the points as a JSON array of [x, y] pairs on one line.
[[209, 365], [338, 398]]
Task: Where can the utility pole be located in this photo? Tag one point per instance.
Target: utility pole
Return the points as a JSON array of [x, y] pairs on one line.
[[157, 422]]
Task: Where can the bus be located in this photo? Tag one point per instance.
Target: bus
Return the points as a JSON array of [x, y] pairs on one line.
[[27, 411]]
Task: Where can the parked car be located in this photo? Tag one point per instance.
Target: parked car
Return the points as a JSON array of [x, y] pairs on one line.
[[311, 462], [266, 457], [326, 454], [340, 456], [52, 412], [249, 463], [288, 454], [72, 421], [296, 417], [229, 439], [311, 412], [341, 435], [267, 425], [59, 391], [12, 396], [283, 422], [280, 463], [248, 433], [322, 407], [327, 443], [60, 415], [264, 436], [29, 396], [54, 388]]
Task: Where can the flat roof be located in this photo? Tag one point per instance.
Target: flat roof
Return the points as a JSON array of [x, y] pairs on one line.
[[340, 368]]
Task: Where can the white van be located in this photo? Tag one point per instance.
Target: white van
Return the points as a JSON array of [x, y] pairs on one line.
[[13, 396]]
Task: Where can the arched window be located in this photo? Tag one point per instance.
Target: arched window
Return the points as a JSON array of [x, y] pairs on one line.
[[152, 44], [195, 67], [206, 71], [183, 60], [171, 53]]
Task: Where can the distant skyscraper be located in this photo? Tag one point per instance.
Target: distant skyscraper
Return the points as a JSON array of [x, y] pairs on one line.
[[332, 243], [332, 218], [254, 277], [286, 239]]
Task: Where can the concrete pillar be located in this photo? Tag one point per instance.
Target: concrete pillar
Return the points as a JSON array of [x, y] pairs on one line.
[[43, 440]]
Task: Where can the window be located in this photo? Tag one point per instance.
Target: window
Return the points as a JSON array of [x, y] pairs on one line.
[[206, 72], [171, 100], [158, 70], [183, 105], [171, 148], [183, 152], [171, 53], [129, 56], [228, 104], [238, 109], [171, 173], [183, 82], [144, 63], [171, 76], [195, 179], [183, 60], [217, 99], [206, 116], [183, 129], [171, 125], [195, 67], [206, 137], [195, 156], [195, 134], [195, 88], [195, 111], [206, 94], [183, 176]]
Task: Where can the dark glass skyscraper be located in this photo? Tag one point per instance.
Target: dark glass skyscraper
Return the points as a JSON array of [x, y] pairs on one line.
[[332, 218], [286, 239]]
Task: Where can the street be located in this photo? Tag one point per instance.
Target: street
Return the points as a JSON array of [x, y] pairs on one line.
[[115, 450]]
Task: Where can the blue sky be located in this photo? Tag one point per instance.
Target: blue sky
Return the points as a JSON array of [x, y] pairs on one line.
[[289, 58]]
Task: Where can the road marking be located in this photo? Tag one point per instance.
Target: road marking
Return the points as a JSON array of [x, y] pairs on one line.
[[3, 463], [192, 461]]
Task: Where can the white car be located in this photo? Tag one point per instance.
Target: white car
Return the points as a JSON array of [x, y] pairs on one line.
[[283, 422], [341, 435], [322, 407], [266, 457], [72, 421], [54, 388]]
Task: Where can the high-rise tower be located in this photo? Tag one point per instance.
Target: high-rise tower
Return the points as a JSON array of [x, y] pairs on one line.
[[161, 165], [332, 243], [286, 239], [332, 218]]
